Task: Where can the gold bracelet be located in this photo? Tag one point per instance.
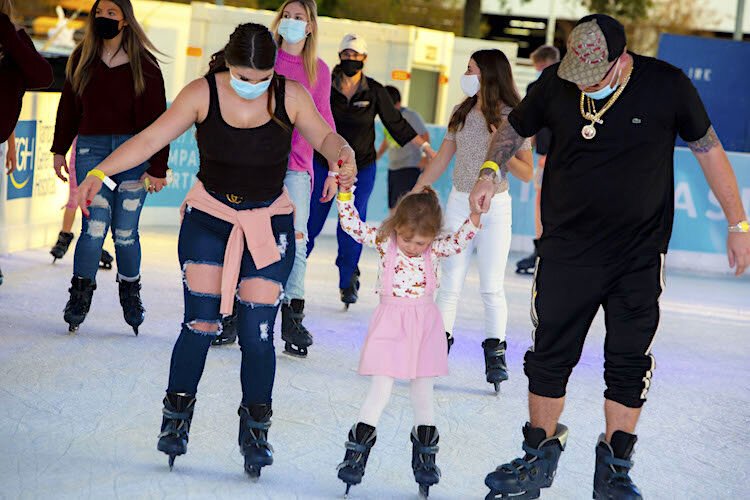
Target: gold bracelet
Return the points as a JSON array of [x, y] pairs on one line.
[[491, 165], [95, 172], [342, 196]]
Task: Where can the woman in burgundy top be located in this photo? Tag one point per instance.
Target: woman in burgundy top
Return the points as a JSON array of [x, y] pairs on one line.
[[21, 68], [114, 89]]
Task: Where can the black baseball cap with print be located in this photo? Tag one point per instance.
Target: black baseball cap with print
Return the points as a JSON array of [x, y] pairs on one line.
[[594, 43]]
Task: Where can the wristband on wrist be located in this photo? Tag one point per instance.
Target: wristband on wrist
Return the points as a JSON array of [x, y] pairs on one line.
[[342, 196], [331, 173], [741, 227], [491, 165], [95, 172]]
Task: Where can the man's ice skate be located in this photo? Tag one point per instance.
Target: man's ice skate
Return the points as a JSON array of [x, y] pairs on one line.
[[175, 425], [613, 463], [522, 478], [350, 294], [424, 441], [362, 438], [495, 367], [229, 326], [81, 292], [62, 245], [255, 420], [105, 260], [130, 300], [294, 334]]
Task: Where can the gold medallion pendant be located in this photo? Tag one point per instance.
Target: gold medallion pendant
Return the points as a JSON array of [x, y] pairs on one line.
[[588, 132]]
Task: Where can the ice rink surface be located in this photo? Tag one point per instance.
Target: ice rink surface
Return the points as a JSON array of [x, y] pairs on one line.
[[80, 414]]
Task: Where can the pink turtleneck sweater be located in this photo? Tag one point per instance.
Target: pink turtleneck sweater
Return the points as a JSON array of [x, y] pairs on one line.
[[293, 68]]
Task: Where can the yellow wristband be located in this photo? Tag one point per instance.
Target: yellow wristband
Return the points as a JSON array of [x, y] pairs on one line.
[[344, 196], [95, 172], [491, 165]]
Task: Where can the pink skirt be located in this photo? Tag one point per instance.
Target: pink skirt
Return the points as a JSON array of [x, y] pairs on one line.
[[406, 340]]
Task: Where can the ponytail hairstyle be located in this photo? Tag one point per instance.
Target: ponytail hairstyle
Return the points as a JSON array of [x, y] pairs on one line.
[[251, 45], [310, 50], [135, 43], [496, 88], [415, 214]]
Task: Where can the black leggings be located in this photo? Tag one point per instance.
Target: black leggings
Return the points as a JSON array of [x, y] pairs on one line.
[[565, 300]]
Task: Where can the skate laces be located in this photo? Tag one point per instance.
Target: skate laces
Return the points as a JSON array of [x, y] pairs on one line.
[[620, 467], [523, 466]]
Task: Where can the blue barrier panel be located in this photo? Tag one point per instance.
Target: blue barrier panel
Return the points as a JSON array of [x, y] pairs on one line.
[[699, 223], [716, 69]]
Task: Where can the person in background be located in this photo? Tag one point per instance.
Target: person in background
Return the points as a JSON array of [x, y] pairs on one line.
[[22, 68], [490, 96], [404, 163], [541, 58], [113, 90], [65, 237], [355, 101]]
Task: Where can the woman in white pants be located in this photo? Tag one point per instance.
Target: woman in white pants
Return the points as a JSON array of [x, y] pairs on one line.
[[491, 95]]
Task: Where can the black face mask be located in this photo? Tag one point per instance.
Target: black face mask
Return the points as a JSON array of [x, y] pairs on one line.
[[350, 67], [106, 28]]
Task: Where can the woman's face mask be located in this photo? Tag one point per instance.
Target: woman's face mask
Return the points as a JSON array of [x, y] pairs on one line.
[[293, 30], [248, 90]]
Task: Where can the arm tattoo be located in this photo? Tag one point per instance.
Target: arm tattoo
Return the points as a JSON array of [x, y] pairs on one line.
[[505, 143], [706, 143]]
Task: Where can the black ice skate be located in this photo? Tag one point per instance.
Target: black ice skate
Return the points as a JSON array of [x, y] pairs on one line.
[[527, 264], [255, 421], [81, 291], [362, 438], [449, 338], [294, 334], [522, 478], [350, 294], [494, 362], [130, 300], [229, 326], [62, 245], [424, 441], [175, 425], [611, 476], [1, 277], [105, 260]]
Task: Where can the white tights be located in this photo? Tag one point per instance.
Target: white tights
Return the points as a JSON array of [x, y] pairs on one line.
[[420, 390]]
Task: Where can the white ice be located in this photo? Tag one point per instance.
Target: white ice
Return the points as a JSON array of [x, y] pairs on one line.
[[80, 414]]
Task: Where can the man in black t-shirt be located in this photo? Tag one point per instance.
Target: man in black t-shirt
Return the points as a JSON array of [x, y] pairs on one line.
[[607, 209]]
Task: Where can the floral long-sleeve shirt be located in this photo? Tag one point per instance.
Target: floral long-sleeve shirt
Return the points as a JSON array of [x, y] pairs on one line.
[[409, 279]]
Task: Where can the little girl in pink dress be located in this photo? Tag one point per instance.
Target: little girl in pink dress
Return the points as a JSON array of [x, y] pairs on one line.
[[406, 338]]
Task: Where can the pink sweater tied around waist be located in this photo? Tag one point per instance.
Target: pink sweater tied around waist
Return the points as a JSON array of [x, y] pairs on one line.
[[253, 225]]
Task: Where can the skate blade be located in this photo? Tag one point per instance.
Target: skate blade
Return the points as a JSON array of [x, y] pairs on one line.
[[424, 491], [171, 462], [523, 495], [346, 493], [72, 330], [253, 471], [527, 272]]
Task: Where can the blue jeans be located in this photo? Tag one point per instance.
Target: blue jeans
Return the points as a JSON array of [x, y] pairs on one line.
[[298, 185], [203, 240], [349, 250], [120, 209]]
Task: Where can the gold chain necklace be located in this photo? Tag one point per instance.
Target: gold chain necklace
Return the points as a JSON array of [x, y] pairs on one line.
[[590, 113]]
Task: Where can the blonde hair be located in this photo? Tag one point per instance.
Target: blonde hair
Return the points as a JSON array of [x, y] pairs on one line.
[[310, 50], [6, 7], [415, 214], [135, 43]]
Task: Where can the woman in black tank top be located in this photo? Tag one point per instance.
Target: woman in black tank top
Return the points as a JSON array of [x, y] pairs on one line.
[[244, 126]]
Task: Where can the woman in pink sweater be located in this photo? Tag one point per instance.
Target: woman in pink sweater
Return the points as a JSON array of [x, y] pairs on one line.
[[296, 31]]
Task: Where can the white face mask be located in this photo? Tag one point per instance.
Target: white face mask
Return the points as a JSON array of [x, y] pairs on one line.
[[293, 30], [470, 84]]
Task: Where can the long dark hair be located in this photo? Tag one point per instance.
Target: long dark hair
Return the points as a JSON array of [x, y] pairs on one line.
[[496, 88], [251, 45], [135, 43]]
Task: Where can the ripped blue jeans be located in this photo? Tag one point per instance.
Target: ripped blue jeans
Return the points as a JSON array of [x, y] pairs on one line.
[[202, 242], [120, 209]]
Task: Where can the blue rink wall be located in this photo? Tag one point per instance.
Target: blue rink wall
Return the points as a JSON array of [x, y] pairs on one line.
[[698, 241]]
